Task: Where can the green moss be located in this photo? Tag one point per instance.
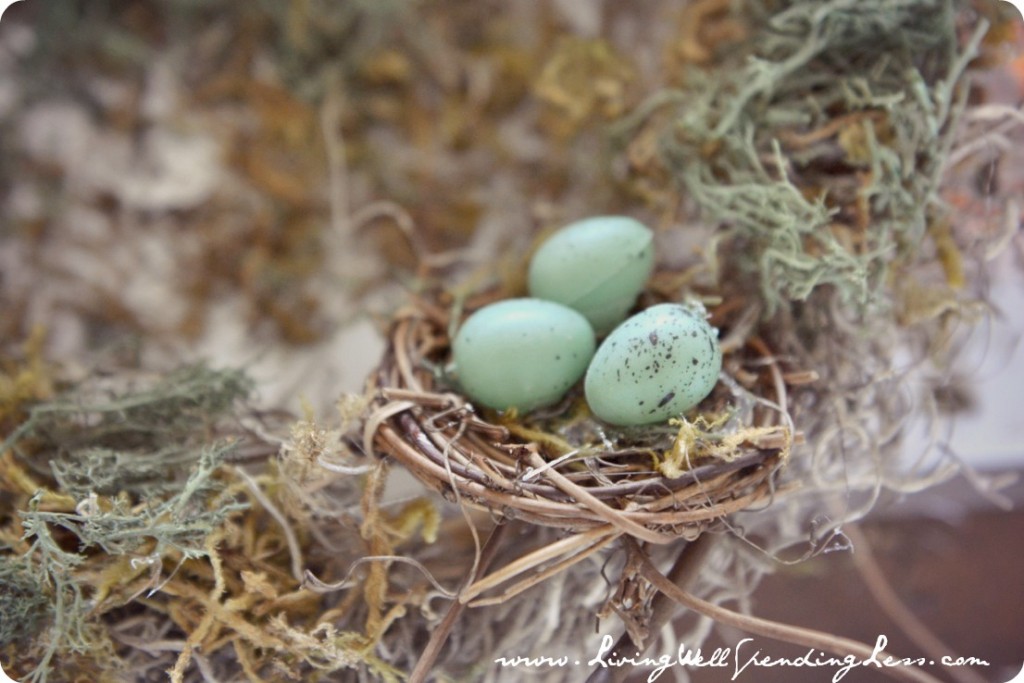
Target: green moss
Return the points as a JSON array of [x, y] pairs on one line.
[[140, 462], [24, 604], [819, 152]]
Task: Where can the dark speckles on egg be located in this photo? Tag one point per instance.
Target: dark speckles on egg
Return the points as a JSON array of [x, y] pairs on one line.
[[662, 351]]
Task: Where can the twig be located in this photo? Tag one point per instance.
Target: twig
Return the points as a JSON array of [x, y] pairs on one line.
[[796, 635], [887, 598], [294, 549], [614, 517], [543, 575], [575, 544], [337, 169], [440, 635], [683, 573]]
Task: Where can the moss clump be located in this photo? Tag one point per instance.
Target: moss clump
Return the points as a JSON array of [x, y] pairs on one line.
[[24, 604], [100, 483], [820, 151]]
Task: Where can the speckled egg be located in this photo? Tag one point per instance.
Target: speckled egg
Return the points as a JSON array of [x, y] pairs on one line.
[[658, 364], [522, 353], [597, 266]]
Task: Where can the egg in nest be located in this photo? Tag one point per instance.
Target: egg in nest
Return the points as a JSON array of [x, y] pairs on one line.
[[596, 266], [522, 353], [658, 364]]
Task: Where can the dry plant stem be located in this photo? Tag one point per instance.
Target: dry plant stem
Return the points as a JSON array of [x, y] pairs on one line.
[[608, 514], [683, 572], [294, 549], [440, 634], [795, 635], [887, 598], [532, 560]]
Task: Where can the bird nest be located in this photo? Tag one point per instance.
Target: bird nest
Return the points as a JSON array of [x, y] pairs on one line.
[[561, 467]]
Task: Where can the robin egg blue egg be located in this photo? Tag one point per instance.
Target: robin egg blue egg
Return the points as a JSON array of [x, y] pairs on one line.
[[597, 266], [522, 353], [656, 365]]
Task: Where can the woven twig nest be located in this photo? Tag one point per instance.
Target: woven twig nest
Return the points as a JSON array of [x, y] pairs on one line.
[[492, 464]]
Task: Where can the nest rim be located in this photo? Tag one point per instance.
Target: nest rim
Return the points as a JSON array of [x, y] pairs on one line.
[[440, 437]]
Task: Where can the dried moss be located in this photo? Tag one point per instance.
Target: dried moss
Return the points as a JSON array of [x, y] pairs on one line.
[[24, 379], [96, 415], [180, 520], [820, 151], [23, 602], [115, 489]]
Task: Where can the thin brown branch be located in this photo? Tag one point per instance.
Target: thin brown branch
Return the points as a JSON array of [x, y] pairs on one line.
[[544, 574], [439, 637], [894, 607], [786, 633], [683, 573]]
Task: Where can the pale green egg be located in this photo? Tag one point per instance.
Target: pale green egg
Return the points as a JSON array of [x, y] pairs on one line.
[[656, 365], [522, 353], [597, 266]]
